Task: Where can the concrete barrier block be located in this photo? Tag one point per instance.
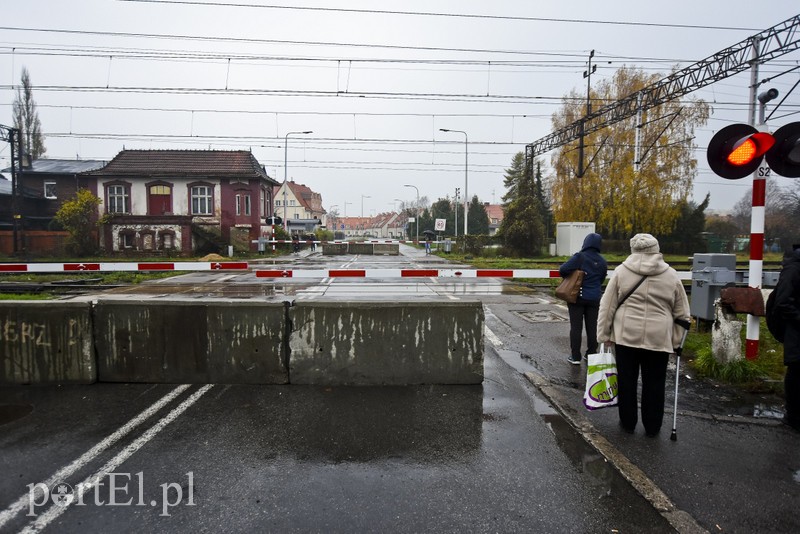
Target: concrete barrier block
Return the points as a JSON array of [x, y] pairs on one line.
[[386, 249], [334, 249], [46, 342], [397, 343], [360, 248], [191, 342]]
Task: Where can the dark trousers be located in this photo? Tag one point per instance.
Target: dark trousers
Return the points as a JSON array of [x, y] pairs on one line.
[[582, 312], [654, 375], [791, 385]]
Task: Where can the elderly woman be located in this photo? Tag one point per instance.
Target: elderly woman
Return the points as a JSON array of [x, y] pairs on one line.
[[643, 328]]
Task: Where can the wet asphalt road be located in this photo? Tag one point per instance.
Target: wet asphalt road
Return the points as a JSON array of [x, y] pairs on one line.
[[491, 458]]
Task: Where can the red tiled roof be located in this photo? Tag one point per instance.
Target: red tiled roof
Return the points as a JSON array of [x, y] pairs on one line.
[[211, 163], [494, 211]]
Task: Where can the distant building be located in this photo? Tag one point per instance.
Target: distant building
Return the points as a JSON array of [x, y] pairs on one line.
[[183, 200], [300, 206], [495, 213], [42, 189]]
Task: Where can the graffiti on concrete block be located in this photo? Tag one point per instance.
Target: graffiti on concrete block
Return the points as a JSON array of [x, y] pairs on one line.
[[24, 332]]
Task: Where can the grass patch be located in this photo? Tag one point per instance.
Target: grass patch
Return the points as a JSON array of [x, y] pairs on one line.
[[27, 296], [765, 373]]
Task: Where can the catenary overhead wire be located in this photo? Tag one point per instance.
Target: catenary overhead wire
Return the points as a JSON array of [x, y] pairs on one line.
[[449, 15]]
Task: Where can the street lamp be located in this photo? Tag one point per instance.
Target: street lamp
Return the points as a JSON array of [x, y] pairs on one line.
[[286, 171], [415, 187], [345, 208], [466, 170]]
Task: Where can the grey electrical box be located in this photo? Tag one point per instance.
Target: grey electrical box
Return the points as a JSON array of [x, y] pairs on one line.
[[710, 273]]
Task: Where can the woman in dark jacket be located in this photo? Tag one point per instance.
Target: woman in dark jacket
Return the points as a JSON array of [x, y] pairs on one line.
[[787, 302], [586, 308]]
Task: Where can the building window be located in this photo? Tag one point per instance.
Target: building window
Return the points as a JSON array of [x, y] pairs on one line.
[[148, 240], [202, 200], [118, 199], [50, 190], [126, 239], [243, 205], [167, 239]]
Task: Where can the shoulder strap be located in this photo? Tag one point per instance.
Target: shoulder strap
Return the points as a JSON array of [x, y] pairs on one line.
[[634, 288]]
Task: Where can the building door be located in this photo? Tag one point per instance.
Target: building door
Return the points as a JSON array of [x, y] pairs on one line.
[[159, 200]]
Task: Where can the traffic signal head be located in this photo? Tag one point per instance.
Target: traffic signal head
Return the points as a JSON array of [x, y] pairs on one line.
[[784, 157], [736, 150]]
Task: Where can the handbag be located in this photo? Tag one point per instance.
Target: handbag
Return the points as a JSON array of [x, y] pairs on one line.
[[601, 380], [570, 286]]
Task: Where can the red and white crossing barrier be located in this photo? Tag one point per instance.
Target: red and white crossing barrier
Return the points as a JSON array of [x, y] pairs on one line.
[[190, 266], [123, 266], [407, 273], [340, 242]]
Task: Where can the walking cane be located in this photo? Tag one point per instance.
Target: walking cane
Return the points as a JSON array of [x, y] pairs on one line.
[[686, 325]]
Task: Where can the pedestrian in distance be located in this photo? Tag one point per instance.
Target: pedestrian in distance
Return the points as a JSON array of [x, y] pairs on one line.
[[585, 310], [787, 306], [427, 243], [643, 329]]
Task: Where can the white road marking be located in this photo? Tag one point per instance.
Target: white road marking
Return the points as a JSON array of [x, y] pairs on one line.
[[89, 455], [56, 510], [493, 339]]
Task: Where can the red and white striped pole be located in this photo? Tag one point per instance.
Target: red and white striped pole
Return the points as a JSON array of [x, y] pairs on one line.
[[756, 255], [756, 217]]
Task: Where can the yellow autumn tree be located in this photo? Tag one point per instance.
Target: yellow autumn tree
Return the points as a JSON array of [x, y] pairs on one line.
[[618, 197]]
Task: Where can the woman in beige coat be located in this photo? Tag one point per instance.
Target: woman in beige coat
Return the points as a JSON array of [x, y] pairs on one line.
[[643, 329]]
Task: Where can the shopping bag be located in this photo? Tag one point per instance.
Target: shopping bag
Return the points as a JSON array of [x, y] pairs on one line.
[[570, 286], [601, 380]]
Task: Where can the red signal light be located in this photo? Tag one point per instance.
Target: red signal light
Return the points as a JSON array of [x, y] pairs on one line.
[[751, 148], [736, 151]]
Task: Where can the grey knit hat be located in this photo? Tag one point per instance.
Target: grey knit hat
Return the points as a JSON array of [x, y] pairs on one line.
[[644, 244]]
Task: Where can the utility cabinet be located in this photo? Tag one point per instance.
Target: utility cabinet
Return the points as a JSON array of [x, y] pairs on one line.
[[710, 273], [570, 236]]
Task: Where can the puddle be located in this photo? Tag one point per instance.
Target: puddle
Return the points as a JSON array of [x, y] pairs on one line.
[[601, 475], [11, 412], [520, 362]]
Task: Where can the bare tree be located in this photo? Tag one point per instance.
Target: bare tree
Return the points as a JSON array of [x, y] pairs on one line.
[[26, 119], [781, 214]]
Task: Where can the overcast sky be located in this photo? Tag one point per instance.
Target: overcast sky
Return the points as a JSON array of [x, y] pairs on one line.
[[375, 87]]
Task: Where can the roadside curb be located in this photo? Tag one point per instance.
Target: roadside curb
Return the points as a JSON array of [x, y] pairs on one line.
[[682, 521]]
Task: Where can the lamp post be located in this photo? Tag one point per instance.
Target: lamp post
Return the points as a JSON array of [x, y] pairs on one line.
[[286, 172], [417, 190], [466, 175]]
